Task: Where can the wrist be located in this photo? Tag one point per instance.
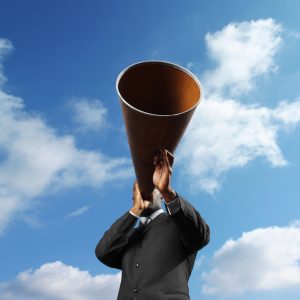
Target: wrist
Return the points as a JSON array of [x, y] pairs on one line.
[[136, 211], [169, 195]]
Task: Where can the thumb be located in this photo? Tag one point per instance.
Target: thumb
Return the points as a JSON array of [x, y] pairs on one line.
[[146, 204]]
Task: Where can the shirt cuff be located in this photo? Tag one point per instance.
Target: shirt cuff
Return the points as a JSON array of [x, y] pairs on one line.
[[133, 214], [173, 206]]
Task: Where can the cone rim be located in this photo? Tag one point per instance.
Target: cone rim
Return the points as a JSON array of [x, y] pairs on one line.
[[188, 72]]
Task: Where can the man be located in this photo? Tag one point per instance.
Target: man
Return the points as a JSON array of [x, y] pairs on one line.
[[156, 258]]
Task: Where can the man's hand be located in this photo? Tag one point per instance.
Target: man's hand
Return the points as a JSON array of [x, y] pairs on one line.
[[163, 173], [139, 205]]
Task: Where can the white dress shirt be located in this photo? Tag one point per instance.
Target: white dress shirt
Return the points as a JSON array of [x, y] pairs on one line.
[[172, 207]]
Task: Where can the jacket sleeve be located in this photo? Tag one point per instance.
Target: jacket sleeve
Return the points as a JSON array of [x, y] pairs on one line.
[[193, 230], [110, 248]]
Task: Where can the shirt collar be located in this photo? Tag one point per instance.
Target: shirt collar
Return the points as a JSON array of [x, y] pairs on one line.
[[152, 216]]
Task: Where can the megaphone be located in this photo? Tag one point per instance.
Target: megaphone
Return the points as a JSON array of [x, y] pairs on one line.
[[158, 100]]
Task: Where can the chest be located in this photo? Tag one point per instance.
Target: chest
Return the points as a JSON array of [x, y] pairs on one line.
[[157, 245]]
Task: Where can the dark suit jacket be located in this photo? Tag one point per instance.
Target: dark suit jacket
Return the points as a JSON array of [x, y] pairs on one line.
[[157, 259]]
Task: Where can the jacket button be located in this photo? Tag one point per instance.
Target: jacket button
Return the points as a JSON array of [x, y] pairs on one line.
[[137, 265], [135, 290]]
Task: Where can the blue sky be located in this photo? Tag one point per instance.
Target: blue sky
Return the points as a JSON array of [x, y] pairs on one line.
[[65, 169]]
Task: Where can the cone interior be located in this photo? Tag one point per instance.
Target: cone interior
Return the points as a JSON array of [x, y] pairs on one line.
[[159, 88]]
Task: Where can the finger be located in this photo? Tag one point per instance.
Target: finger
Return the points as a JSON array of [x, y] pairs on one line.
[[136, 186], [146, 204], [136, 191], [170, 158], [165, 158]]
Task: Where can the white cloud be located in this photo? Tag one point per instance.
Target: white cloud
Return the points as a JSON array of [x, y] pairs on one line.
[[242, 51], [36, 159], [90, 114], [224, 133], [78, 212], [57, 281], [262, 259]]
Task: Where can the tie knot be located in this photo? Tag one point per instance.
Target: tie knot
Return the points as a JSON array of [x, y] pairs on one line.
[[145, 220]]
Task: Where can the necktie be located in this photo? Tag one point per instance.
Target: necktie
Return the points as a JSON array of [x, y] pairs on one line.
[[144, 221]]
